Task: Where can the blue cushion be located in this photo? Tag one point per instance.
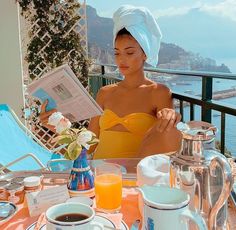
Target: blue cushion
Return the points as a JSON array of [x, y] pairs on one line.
[[14, 143]]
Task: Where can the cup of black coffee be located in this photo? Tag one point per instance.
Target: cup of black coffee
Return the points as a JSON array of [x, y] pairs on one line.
[[69, 216]]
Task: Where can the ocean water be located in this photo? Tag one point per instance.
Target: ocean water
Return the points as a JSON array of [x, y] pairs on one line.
[[193, 87]]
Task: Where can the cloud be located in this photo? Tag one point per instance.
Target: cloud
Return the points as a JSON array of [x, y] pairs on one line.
[[169, 12], [225, 8], [175, 11]]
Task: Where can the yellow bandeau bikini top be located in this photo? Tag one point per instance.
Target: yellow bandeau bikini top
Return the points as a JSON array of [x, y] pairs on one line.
[[136, 123]]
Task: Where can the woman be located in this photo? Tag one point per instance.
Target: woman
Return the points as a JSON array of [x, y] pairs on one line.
[[138, 118]]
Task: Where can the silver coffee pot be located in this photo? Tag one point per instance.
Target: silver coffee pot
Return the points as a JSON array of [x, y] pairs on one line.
[[203, 172]]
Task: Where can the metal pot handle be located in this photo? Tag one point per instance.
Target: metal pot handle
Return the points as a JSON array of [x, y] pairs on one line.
[[226, 188]]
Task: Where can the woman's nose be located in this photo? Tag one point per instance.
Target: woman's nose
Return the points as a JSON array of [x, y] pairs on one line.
[[121, 59]]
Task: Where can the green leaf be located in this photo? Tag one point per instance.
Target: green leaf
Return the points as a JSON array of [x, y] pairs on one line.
[[66, 156], [63, 139], [64, 132], [93, 134], [93, 141], [74, 150], [75, 130], [83, 129]]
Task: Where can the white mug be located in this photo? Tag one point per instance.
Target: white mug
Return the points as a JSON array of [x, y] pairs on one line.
[[71, 208], [167, 208]]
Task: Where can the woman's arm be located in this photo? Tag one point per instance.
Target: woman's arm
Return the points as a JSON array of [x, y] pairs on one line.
[[163, 104], [163, 137], [94, 127], [44, 115]]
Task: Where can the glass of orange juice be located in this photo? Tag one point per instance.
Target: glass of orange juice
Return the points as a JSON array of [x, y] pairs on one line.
[[108, 187]]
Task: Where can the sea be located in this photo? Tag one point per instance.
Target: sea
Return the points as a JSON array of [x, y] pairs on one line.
[[193, 87]]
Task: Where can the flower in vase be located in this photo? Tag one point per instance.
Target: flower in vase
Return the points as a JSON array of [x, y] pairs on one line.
[[72, 139], [59, 122]]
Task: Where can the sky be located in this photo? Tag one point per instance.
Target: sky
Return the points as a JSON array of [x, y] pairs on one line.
[[224, 9], [159, 8]]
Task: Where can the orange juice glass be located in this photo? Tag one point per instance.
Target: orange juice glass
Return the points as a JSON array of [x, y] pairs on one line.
[[108, 187]]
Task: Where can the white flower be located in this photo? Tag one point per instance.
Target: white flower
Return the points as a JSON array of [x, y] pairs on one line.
[[83, 138], [63, 124], [72, 139], [55, 118], [59, 121]]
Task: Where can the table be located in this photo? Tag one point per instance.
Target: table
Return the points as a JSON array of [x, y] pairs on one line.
[[129, 207], [129, 202], [22, 219]]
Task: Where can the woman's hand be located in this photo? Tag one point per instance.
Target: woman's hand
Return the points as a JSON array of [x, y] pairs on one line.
[[44, 115], [167, 119], [163, 137]]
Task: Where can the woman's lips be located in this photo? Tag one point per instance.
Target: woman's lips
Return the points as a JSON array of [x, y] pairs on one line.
[[123, 67]]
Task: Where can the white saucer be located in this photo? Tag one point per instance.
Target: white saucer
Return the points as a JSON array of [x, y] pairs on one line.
[[9, 209], [97, 218]]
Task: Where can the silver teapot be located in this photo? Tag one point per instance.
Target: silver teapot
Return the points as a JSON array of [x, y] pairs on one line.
[[203, 172]]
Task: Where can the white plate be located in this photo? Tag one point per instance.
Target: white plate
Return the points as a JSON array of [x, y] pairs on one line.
[[97, 218]]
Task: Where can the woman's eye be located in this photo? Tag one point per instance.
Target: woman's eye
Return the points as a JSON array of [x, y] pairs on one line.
[[130, 53], [116, 54]]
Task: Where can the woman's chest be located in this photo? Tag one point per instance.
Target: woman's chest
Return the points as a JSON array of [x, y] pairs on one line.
[[129, 98], [130, 102]]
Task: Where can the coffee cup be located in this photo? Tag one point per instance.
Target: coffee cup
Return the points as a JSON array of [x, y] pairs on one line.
[[71, 216]]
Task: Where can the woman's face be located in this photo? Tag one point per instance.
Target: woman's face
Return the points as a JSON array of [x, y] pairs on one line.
[[129, 56]]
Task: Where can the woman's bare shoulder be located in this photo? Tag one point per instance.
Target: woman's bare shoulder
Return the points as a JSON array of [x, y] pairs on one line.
[[161, 89], [105, 91]]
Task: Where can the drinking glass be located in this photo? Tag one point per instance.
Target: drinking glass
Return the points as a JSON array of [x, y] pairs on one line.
[[108, 187]]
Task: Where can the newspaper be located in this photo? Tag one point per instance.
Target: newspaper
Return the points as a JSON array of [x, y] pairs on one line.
[[65, 93]]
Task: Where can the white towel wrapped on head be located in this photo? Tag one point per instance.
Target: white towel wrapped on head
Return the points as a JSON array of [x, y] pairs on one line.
[[142, 26]]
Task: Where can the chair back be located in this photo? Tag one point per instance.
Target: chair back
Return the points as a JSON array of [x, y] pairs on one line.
[[16, 141]]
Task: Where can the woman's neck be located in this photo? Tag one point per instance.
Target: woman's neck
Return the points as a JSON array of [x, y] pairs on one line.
[[134, 81]]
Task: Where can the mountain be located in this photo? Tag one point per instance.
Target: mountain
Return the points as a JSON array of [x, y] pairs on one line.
[[170, 56], [99, 29]]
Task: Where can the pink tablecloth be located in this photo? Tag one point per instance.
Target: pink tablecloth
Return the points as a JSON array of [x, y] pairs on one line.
[[129, 209]]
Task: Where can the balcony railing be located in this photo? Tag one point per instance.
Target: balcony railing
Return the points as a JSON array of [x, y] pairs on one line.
[[205, 101]]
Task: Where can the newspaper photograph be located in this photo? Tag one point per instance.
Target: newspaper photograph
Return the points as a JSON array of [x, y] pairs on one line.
[[65, 93]]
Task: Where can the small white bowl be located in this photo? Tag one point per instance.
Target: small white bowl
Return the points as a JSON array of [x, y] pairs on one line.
[[81, 199]]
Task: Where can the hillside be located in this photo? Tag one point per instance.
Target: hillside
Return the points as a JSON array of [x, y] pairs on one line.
[[171, 56]]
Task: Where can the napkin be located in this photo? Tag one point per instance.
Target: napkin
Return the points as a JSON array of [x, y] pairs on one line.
[[153, 170]]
